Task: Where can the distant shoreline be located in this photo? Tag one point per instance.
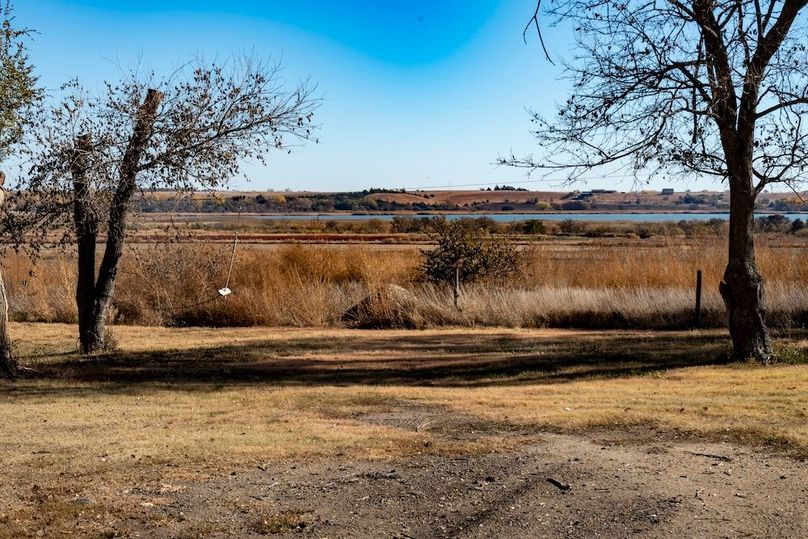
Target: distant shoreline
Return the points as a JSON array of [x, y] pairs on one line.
[[438, 213], [582, 216]]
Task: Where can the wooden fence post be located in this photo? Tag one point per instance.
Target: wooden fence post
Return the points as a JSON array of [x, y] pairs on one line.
[[457, 288], [698, 298]]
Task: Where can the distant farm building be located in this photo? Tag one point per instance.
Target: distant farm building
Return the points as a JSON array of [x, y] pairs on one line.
[[588, 194], [667, 191]]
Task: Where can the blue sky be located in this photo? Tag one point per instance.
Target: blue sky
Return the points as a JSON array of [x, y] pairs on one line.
[[417, 93]]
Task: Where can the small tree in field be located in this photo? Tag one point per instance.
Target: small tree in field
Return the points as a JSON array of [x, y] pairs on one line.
[[18, 93], [91, 157], [715, 88], [469, 253]]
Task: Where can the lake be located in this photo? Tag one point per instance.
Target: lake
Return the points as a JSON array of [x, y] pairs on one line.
[[511, 217]]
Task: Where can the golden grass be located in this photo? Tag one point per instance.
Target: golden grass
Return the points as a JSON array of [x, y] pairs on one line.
[[279, 393], [600, 283], [747, 403]]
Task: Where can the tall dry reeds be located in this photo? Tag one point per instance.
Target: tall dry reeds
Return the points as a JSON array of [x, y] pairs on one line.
[[600, 285]]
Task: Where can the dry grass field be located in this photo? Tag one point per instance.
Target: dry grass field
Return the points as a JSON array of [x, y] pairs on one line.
[[584, 283], [134, 442]]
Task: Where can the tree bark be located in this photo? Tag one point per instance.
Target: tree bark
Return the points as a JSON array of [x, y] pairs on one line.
[[86, 223], [742, 286], [94, 292], [8, 365]]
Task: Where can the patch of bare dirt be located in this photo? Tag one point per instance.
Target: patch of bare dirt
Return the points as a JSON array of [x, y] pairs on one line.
[[442, 422], [596, 484]]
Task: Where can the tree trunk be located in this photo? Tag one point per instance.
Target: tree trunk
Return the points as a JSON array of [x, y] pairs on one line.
[[742, 286], [94, 292], [91, 322], [91, 335], [8, 365]]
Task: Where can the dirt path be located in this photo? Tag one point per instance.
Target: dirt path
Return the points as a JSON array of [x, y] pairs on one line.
[[618, 487]]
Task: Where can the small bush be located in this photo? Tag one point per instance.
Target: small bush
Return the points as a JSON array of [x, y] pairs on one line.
[[533, 227], [570, 226], [645, 232], [773, 223], [475, 254]]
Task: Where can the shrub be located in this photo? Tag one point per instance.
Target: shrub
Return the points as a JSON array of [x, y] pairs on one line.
[[570, 226], [575, 205], [375, 225], [485, 224], [408, 225], [476, 254], [543, 205], [644, 232], [534, 227], [773, 223]]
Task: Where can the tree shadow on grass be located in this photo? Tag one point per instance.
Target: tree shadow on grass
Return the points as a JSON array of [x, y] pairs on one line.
[[431, 359]]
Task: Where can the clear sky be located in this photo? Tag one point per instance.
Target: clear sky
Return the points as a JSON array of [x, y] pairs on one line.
[[417, 93]]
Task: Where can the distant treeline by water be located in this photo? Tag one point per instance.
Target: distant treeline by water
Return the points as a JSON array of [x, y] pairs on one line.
[[517, 202], [516, 217]]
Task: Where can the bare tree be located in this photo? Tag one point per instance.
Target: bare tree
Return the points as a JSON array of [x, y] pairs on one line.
[[18, 93], [715, 88], [92, 156]]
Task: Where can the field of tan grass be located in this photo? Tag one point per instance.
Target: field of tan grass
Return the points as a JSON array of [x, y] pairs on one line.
[[306, 378], [597, 283]]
